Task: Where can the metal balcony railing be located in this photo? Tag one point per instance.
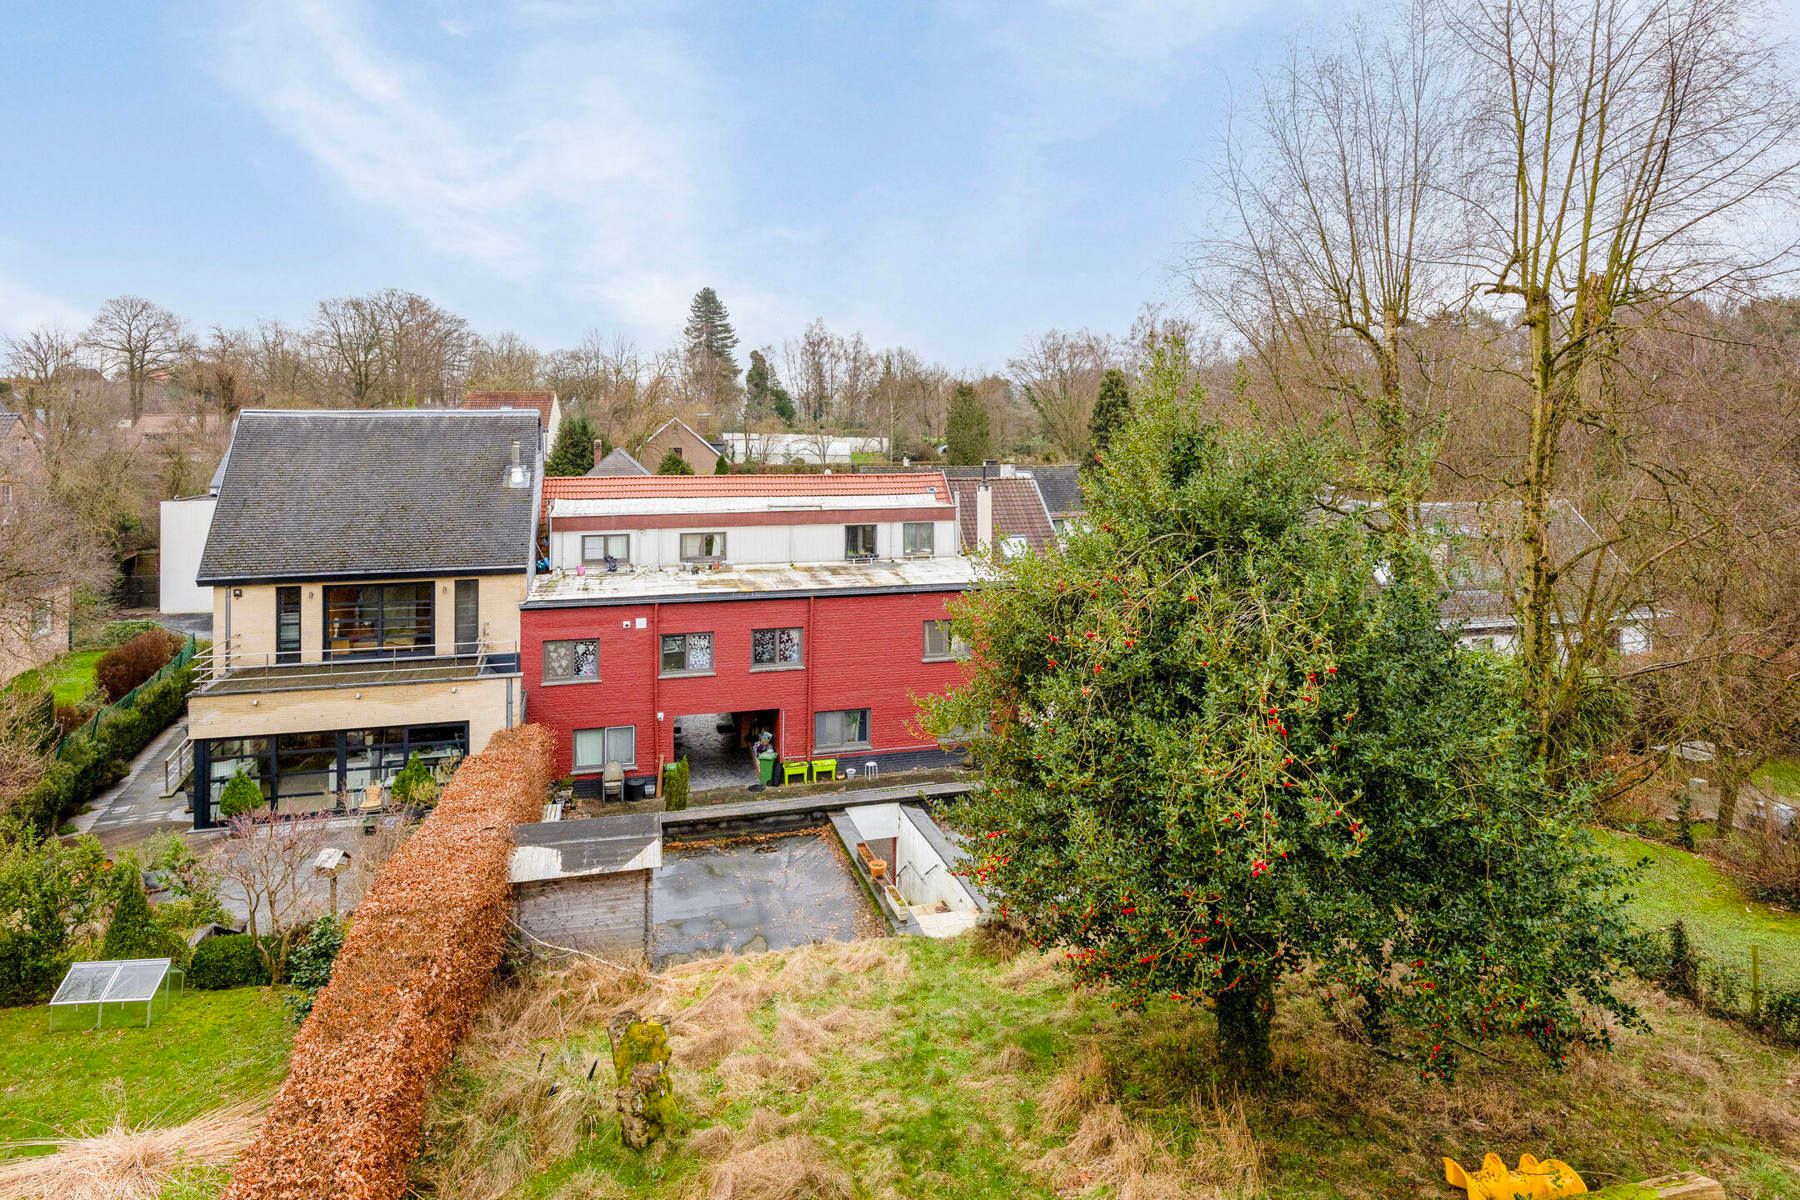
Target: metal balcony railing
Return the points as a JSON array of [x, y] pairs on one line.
[[220, 672]]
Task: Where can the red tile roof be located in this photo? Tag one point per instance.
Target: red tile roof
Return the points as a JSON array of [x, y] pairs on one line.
[[540, 400], [1018, 511]]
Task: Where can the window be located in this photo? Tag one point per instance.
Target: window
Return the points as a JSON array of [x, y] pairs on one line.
[[1013, 547], [598, 548], [594, 748], [920, 539], [572, 661], [859, 541], [941, 645], [771, 648], [687, 653], [379, 618], [845, 730], [468, 616], [702, 547], [43, 618], [287, 624]]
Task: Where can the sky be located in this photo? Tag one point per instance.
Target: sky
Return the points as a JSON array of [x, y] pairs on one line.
[[953, 176]]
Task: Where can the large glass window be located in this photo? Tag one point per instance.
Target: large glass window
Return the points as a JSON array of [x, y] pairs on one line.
[[594, 748], [306, 774], [775, 648], [468, 616], [287, 624], [571, 660], [702, 547], [921, 539], [859, 541], [379, 619], [609, 551], [687, 653], [845, 730]]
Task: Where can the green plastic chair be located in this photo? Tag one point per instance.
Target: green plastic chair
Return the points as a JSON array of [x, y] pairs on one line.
[[791, 771], [827, 765]]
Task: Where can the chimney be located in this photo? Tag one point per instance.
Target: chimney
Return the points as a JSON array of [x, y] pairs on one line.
[[600, 450], [984, 514], [516, 475]]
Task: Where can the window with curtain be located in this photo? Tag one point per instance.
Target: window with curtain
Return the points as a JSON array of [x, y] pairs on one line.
[[570, 660], [702, 547], [775, 648], [843, 730], [596, 548], [594, 748], [920, 539], [687, 653]]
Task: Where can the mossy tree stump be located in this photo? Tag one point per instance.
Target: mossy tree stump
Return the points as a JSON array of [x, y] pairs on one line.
[[640, 1052]]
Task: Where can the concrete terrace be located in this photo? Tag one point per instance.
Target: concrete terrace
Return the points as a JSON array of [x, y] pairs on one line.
[[764, 581]]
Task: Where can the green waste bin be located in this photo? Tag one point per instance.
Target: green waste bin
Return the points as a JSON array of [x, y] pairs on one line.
[[765, 766]]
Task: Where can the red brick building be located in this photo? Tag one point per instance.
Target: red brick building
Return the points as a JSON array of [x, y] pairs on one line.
[[711, 610]]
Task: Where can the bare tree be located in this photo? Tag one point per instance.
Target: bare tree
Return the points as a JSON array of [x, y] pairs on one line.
[[346, 339], [1336, 222], [42, 358], [1059, 375], [506, 361], [267, 860], [139, 340], [1617, 151]]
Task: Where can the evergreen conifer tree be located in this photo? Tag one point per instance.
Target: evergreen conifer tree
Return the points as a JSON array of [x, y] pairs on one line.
[[709, 344], [673, 464], [1112, 408], [969, 427], [573, 453], [131, 932]]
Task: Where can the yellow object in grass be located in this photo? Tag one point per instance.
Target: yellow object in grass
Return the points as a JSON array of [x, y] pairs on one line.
[[1534, 1180]]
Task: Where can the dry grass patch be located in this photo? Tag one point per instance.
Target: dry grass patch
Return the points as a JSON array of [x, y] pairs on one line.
[[127, 1162], [788, 1168]]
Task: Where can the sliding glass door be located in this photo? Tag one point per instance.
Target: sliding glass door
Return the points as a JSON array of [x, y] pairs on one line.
[[379, 620]]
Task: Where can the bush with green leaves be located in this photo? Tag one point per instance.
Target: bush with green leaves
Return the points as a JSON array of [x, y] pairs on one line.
[[50, 890], [240, 796], [675, 785], [131, 931], [673, 464], [415, 786], [309, 964], [573, 453], [1217, 757], [227, 960]]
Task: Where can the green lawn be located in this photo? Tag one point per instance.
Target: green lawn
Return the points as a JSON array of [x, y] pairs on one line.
[[69, 678], [1781, 776], [208, 1050], [907, 1067], [1686, 887]]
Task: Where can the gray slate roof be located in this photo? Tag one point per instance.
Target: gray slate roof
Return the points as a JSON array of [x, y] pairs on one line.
[[319, 494], [1061, 485], [618, 462]]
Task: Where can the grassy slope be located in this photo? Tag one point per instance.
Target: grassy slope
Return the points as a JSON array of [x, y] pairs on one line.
[[69, 678], [210, 1049], [1782, 776], [1682, 886], [920, 1069]]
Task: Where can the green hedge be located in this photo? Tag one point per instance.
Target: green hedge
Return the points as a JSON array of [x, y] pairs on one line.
[[90, 764], [1668, 958], [227, 960]]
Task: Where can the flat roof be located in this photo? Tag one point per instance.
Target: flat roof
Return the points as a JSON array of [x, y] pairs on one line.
[[754, 582]]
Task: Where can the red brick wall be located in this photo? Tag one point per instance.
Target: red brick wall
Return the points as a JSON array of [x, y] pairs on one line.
[[859, 651]]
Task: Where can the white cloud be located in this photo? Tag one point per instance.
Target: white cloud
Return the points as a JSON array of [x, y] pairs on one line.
[[578, 165]]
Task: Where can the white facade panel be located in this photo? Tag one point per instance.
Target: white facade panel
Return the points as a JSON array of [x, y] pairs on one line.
[[184, 525], [751, 545]]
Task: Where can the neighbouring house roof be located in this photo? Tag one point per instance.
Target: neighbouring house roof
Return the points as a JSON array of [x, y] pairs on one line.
[[1060, 484], [539, 401], [1480, 554], [594, 846], [717, 447], [618, 461], [1019, 510], [755, 581], [321, 494], [7, 420]]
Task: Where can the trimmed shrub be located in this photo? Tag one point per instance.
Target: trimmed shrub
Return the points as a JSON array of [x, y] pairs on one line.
[[309, 964], [240, 797], [415, 786], [408, 983], [227, 960], [125, 667], [673, 464], [675, 785], [130, 932]]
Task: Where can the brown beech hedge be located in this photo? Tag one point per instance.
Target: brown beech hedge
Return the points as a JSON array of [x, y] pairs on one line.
[[407, 984]]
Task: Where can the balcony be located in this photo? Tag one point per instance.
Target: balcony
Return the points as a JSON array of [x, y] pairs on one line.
[[217, 674]]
